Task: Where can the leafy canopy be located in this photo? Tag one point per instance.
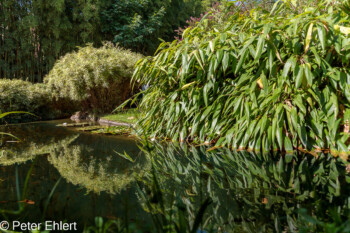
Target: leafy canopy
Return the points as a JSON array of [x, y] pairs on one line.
[[254, 79]]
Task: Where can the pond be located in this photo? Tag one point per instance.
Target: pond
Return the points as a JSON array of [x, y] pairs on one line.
[[60, 174]]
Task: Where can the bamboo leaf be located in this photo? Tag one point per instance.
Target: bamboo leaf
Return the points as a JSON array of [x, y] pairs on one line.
[[287, 66], [322, 36], [288, 145], [187, 85], [225, 61], [308, 74], [212, 45], [259, 47], [308, 37], [197, 56], [300, 76], [241, 61], [303, 135], [317, 57]]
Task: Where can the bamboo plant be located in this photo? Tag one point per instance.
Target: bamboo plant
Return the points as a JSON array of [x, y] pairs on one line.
[[254, 79]]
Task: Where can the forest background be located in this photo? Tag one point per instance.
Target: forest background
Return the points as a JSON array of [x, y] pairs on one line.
[[35, 33]]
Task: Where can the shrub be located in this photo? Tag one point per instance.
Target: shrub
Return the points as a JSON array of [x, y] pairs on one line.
[[259, 80], [97, 78], [18, 95]]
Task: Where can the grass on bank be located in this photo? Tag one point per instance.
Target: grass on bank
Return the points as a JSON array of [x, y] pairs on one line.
[[127, 116]]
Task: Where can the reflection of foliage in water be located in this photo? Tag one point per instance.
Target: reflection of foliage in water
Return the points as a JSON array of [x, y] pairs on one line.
[[18, 155], [250, 191], [97, 175], [8, 158], [83, 159]]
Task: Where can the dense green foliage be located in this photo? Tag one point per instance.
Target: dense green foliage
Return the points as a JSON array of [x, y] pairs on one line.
[[254, 79], [98, 78], [35, 33], [133, 23], [18, 95], [139, 24]]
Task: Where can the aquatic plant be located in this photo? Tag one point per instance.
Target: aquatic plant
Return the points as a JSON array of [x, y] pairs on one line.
[[257, 80], [96, 78], [4, 136]]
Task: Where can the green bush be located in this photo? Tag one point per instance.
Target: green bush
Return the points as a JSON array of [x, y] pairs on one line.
[[256, 80], [18, 95], [96, 78]]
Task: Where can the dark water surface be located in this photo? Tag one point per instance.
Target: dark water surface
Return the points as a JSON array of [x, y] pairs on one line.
[[96, 181], [75, 176]]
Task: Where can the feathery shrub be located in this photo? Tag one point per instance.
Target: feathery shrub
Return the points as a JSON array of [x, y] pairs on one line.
[[96, 78], [255, 80], [18, 95]]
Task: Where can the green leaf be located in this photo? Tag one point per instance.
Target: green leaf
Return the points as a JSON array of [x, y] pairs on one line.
[[300, 76], [241, 60], [212, 45], [259, 47], [299, 102], [265, 83], [308, 74], [308, 37], [197, 56], [125, 156], [2, 115], [225, 61], [271, 60], [279, 136], [342, 147], [322, 36], [223, 37], [294, 118], [287, 66], [238, 104], [206, 93], [187, 85], [219, 56], [317, 57], [303, 135], [288, 145]]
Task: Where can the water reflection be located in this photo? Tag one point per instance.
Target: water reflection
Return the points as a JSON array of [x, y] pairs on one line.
[[96, 180], [79, 166], [82, 159], [252, 191], [166, 186], [27, 151]]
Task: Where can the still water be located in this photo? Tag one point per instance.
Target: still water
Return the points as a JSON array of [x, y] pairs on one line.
[[60, 174]]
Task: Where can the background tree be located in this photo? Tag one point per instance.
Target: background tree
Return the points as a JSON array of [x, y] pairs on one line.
[[137, 24], [133, 24], [35, 33]]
